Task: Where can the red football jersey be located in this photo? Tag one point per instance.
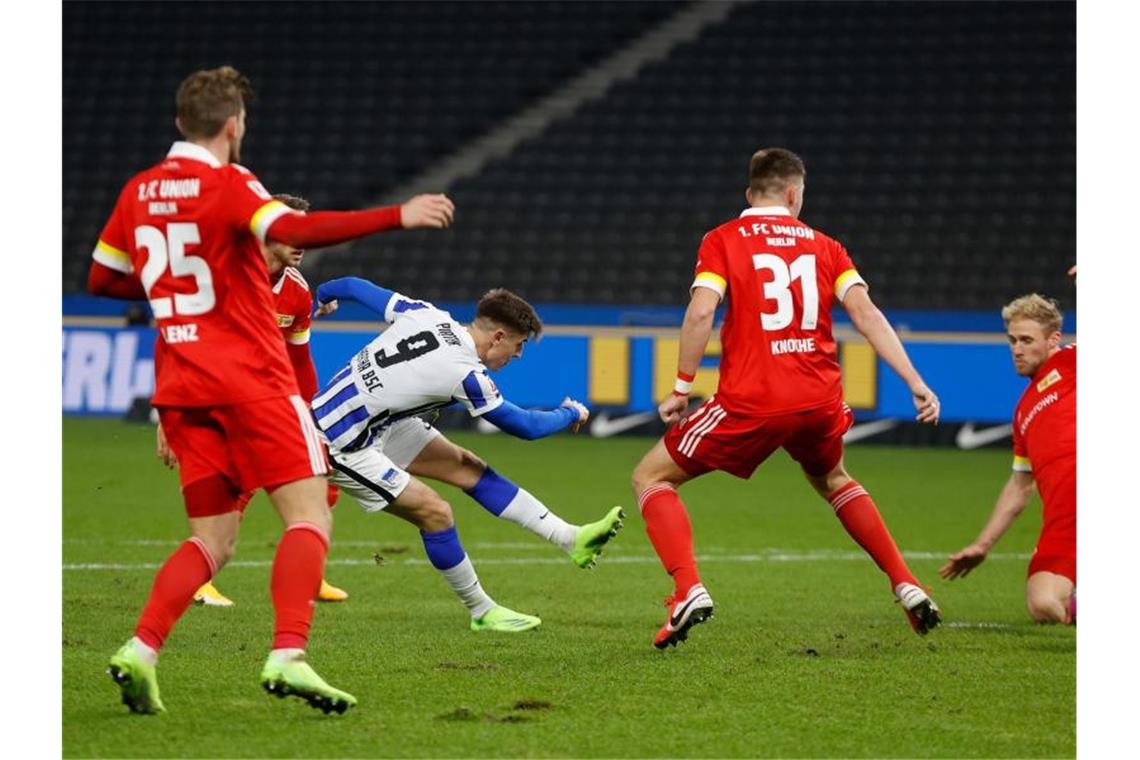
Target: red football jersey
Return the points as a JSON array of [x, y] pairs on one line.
[[1045, 435], [777, 351], [294, 304], [189, 228]]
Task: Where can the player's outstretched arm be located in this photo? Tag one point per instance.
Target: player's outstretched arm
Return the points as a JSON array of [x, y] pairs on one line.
[[104, 281], [695, 332], [356, 289], [317, 229], [869, 321], [530, 424], [1012, 500]]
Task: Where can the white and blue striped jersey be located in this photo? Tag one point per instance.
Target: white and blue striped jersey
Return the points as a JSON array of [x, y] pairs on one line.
[[425, 360]]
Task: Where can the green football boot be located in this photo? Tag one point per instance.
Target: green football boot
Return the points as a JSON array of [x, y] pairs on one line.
[[593, 536], [137, 680], [296, 678], [504, 620]]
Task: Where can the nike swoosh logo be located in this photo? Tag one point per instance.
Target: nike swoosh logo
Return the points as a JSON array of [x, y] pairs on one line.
[[969, 438], [677, 618], [543, 515], [604, 426], [868, 429]]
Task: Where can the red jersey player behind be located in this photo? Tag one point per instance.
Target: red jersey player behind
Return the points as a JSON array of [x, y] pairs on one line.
[[1045, 452], [185, 235], [294, 304], [780, 385]]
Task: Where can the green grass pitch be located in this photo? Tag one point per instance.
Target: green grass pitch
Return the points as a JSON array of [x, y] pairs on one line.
[[807, 655]]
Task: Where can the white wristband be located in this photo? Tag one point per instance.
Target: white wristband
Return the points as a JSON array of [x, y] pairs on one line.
[[682, 387]]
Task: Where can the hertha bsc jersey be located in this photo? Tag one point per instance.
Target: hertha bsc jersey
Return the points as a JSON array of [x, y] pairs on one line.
[[425, 360]]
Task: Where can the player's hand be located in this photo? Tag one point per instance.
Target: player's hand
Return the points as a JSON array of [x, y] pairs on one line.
[[325, 309], [1073, 272], [432, 211], [673, 408], [580, 408], [927, 404], [961, 563], [163, 452]]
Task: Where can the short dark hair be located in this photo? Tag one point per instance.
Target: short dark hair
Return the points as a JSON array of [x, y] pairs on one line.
[[292, 201], [772, 169], [505, 309], [207, 98]]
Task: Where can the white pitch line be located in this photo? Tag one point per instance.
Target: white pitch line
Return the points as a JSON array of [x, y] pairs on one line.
[[818, 556]]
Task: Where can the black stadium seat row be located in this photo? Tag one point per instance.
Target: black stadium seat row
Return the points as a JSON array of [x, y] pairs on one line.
[[939, 136]]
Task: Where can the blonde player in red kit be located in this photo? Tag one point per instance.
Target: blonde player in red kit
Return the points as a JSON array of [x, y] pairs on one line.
[[1045, 453], [780, 385], [185, 234]]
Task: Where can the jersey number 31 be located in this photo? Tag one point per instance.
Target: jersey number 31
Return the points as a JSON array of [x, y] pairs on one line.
[[779, 290]]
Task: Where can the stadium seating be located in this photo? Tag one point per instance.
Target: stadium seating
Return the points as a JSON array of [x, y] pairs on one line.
[[939, 137]]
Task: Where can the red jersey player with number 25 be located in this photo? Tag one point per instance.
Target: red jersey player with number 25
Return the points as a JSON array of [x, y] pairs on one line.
[[185, 235], [780, 385], [1045, 453]]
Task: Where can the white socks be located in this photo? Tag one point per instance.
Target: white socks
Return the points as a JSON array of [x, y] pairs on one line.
[[465, 583], [532, 514]]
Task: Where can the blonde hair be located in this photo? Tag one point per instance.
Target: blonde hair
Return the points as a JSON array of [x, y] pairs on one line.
[[1041, 310]]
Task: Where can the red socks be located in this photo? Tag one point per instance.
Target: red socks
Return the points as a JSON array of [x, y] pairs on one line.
[[179, 577], [671, 533], [855, 509], [298, 567]]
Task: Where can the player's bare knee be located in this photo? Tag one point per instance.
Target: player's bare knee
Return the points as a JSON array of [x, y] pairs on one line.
[[436, 515], [470, 463]]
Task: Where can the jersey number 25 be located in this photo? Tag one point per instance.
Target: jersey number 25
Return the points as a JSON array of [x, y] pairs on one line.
[[170, 250]]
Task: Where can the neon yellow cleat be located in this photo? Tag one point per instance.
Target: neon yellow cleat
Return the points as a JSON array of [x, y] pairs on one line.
[[330, 593], [296, 678], [593, 536], [137, 680], [504, 620], [211, 597]]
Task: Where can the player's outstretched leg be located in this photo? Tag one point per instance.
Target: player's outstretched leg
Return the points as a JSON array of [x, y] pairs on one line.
[[132, 668], [209, 596], [503, 498]]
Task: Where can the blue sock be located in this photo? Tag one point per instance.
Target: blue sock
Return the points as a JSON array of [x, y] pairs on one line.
[[447, 555], [493, 492], [443, 548]]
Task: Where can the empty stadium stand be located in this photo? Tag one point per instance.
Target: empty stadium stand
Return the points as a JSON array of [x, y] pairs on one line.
[[939, 137]]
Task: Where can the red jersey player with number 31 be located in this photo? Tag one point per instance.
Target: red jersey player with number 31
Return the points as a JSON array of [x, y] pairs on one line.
[[780, 385], [185, 235]]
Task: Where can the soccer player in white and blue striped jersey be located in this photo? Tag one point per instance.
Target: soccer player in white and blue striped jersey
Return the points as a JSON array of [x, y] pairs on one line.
[[426, 360]]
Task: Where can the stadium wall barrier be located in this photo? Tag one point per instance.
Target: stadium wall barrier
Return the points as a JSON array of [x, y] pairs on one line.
[[618, 369]]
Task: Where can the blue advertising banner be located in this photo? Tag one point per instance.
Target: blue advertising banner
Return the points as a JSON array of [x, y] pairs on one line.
[[619, 369]]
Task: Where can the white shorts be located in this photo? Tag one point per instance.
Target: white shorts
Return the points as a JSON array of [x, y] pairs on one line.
[[376, 476]]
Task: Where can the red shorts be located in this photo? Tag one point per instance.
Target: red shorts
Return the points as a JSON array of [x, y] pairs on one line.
[[1056, 550], [252, 445], [712, 438], [331, 497]]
